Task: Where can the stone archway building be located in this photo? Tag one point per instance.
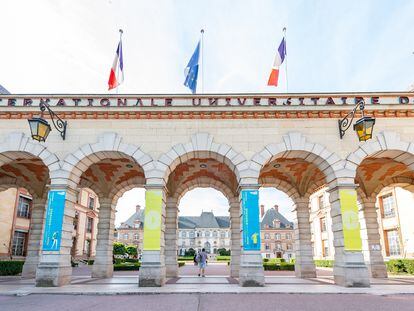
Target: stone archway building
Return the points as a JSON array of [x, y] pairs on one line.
[[233, 143]]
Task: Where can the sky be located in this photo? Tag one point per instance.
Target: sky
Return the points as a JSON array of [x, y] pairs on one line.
[[59, 46]]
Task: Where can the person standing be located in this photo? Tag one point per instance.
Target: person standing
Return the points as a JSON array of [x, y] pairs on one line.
[[202, 262]]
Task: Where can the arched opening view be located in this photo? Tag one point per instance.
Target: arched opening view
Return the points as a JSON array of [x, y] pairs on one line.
[[204, 223]]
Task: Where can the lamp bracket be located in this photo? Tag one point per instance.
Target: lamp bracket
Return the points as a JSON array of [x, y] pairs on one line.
[[346, 122], [58, 123]]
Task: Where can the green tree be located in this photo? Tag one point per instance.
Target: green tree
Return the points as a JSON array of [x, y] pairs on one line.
[[132, 250], [119, 248], [190, 252]]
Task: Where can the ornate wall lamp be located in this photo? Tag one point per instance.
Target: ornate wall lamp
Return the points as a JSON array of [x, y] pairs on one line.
[[40, 128], [363, 127]]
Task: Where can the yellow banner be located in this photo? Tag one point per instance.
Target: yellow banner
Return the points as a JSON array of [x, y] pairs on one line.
[[152, 220], [350, 220]]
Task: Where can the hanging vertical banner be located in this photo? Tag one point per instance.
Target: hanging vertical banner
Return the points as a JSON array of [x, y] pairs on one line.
[[350, 220], [54, 219], [152, 220], [251, 224]]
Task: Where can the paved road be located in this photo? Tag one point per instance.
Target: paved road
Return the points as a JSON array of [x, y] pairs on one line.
[[216, 302]]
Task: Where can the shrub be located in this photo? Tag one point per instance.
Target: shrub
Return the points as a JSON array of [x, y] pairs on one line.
[[409, 265], [270, 266], [134, 260], [181, 263], [131, 250], [223, 252], [127, 266], [324, 263], [190, 252], [186, 258], [265, 259], [223, 258], [119, 248], [90, 262], [11, 267], [400, 266]]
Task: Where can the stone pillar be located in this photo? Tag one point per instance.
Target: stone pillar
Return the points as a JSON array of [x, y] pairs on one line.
[[171, 238], [103, 266], [371, 239], [235, 237], [55, 267], [251, 262], [152, 271], [34, 243], [349, 267], [304, 264]]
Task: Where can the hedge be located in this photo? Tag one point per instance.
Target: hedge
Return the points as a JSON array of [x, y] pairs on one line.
[[274, 260], [181, 263], [223, 258], [127, 266], [400, 266], [185, 258], [11, 267], [268, 266], [324, 263]]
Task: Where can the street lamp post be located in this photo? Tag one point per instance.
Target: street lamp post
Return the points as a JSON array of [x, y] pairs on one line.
[[40, 128], [363, 127]]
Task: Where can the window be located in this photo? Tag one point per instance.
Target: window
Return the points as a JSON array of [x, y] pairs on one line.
[[288, 236], [289, 247], [115, 235], [323, 224], [89, 225], [19, 242], [325, 248], [267, 236], [388, 205], [192, 234], [87, 248], [23, 209], [277, 236], [91, 203], [215, 234], [279, 246], [276, 224], [222, 234], [136, 236], [191, 242], [267, 247], [76, 220], [184, 234], [321, 202], [207, 235], [393, 243], [126, 236]]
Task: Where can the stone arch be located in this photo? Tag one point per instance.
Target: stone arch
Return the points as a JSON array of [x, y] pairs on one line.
[[295, 145], [108, 145], [18, 146], [385, 149], [201, 145]]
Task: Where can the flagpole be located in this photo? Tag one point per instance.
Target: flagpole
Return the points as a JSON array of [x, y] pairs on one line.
[[117, 67], [287, 80], [202, 61]]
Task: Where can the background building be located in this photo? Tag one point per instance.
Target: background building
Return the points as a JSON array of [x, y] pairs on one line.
[[15, 215], [277, 234], [395, 216]]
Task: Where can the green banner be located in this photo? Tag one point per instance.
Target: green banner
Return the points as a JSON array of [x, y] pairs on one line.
[[152, 220], [350, 220]]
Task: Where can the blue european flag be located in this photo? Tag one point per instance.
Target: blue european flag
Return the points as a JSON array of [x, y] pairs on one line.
[[191, 71]]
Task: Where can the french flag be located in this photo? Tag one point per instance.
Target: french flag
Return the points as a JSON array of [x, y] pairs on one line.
[[279, 58], [116, 76]]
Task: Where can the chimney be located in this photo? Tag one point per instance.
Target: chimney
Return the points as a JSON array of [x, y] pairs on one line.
[[138, 208], [276, 207], [261, 211]]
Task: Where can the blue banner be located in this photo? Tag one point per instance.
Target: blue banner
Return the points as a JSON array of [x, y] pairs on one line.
[[251, 222], [54, 220]]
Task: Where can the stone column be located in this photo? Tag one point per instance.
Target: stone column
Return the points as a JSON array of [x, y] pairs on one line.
[[251, 262], [103, 266], [349, 267], [34, 243], [55, 267], [171, 238], [371, 239], [235, 237], [152, 271], [304, 264]]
